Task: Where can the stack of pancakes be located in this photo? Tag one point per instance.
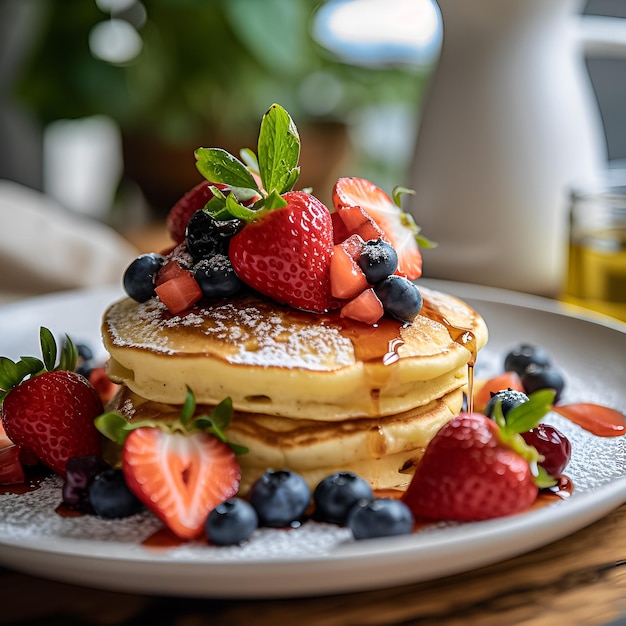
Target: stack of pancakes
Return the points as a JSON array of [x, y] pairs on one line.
[[313, 393]]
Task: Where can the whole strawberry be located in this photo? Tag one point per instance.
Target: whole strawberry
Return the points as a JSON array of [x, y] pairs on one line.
[[285, 254], [477, 469], [48, 409], [284, 250]]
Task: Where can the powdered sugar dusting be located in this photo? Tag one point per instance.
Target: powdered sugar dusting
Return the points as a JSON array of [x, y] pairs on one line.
[[249, 332]]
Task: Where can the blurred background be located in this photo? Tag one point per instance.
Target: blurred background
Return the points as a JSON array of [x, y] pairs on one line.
[[102, 102]]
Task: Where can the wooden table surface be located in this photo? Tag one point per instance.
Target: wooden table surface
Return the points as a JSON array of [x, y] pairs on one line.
[[579, 580]]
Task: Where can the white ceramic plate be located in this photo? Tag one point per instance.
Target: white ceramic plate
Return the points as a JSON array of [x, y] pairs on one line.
[[321, 559]]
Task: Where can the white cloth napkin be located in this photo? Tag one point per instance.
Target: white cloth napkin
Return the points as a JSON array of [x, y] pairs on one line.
[[46, 248]]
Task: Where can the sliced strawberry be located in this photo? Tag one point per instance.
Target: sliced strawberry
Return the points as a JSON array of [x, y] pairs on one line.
[[358, 222], [397, 226], [366, 308], [340, 231], [353, 245], [179, 293], [484, 390], [180, 477], [170, 269], [347, 279], [285, 254]]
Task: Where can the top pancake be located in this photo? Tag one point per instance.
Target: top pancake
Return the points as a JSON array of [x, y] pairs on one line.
[[276, 360]]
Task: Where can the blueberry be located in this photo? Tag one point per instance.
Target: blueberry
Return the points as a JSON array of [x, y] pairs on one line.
[[110, 497], [382, 517], [337, 494], [80, 471], [216, 277], [84, 351], [510, 398], [378, 259], [139, 276], [231, 522], [280, 498], [520, 357], [400, 297], [536, 377], [205, 236]]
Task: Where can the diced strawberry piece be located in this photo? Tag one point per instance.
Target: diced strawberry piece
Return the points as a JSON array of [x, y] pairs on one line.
[[483, 392], [358, 222], [11, 470], [170, 269], [180, 477], [366, 308], [398, 227], [347, 279], [353, 245], [179, 293], [105, 387], [340, 232]]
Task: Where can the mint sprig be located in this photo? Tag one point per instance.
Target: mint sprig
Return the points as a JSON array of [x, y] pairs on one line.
[[276, 163], [12, 373], [521, 419], [407, 219], [116, 427]]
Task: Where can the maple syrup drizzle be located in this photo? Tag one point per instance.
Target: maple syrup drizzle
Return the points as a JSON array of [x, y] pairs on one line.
[[463, 336]]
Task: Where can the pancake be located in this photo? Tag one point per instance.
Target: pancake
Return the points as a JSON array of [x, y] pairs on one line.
[[382, 450], [278, 361]]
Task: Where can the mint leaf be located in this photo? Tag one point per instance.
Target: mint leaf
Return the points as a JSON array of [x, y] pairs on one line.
[[219, 166], [249, 158], [278, 150], [527, 415], [48, 348], [189, 408], [113, 426]]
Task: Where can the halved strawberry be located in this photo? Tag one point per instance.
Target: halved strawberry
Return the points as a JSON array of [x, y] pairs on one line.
[[398, 227], [180, 470], [179, 293], [358, 222], [366, 308], [11, 469], [181, 478], [347, 279]]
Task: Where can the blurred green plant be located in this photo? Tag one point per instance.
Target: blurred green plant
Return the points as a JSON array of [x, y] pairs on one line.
[[205, 65]]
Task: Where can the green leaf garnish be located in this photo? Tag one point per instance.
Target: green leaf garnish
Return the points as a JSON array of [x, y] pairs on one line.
[[116, 427], [48, 348], [278, 150], [219, 166], [250, 159]]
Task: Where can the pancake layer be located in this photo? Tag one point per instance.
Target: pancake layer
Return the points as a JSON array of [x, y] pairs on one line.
[[278, 361]]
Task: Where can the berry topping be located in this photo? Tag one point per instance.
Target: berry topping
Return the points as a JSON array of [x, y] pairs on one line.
[[79, 472], [347, 279], [508, 399], [400, 297], [378, 260], [48, 408], [398, 228], [110, 497], [179, 293], [280, 498], [552, 445], [231, 523], [520, 357], [366, 308], [139, 277], [180, 214], [381, 517], [206, 236], [180, 470], [337, 494], [536, 377], [216, 277]]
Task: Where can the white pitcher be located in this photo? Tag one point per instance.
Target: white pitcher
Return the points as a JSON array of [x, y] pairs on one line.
[[509, 127]]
